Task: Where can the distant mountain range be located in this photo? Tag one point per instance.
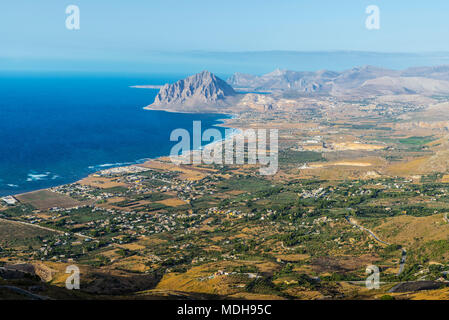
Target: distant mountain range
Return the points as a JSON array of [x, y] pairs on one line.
[[205, 92], [363, 81]]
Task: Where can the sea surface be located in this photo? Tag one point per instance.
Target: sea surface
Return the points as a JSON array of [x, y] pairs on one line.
[[58, 128]]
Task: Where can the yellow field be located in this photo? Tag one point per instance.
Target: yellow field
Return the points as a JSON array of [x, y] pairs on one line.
[[407, 168], [101, 182], [172, 202], [187, 172], [341, 163], [357, 146]]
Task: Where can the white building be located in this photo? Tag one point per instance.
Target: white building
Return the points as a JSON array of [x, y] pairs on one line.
[[9, 200]]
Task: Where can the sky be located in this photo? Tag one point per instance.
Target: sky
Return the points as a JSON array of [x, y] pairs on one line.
[[33, 34]]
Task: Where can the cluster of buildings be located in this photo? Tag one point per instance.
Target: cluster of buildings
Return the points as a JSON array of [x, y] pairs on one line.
[[229, 212], [316, 193]]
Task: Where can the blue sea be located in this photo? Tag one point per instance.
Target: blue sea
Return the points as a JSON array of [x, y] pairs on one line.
[[58, 128]]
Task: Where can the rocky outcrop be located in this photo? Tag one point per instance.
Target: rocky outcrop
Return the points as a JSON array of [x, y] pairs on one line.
[[195, 93], [33, 269]]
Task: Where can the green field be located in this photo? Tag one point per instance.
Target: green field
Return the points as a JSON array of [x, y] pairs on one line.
[[416, 141]]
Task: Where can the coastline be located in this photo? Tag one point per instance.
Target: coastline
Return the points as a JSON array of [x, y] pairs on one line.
[[234, 132], [140, 162]]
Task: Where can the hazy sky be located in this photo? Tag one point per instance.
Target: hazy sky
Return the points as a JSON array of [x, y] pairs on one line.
[[131, 30]]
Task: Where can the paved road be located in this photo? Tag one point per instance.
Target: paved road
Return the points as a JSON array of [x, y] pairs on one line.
[[45, 228], [32, 225], [404, 252], [367, 230], [402, 263]]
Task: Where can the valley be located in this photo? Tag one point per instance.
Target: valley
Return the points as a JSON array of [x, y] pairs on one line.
[[361, 180]]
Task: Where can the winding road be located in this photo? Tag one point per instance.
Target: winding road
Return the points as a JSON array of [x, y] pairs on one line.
[[47, 229], [372, 234]]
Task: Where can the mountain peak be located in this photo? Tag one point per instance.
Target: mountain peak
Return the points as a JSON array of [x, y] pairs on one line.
[[206, 73], [277, 72], [203, 88]]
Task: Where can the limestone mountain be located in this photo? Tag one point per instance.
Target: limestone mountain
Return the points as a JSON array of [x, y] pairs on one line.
[[197, 93]]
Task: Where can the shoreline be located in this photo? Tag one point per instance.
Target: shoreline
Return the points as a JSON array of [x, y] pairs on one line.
[[223, 123]]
